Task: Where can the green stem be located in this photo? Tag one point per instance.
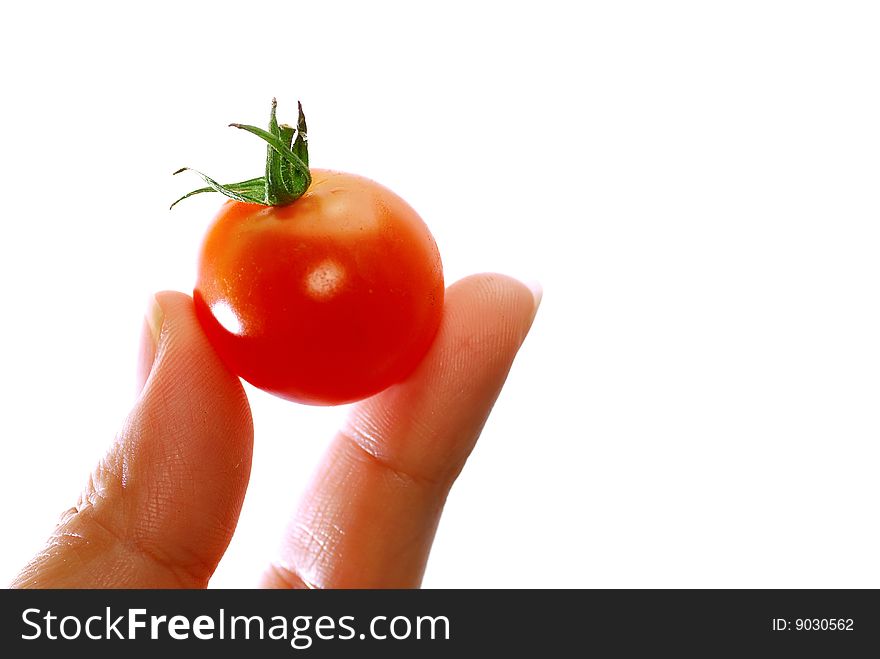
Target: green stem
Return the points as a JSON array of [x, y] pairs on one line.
[[287, 175]]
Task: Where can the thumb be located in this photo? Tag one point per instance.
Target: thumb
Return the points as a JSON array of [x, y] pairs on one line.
[[160, 508]]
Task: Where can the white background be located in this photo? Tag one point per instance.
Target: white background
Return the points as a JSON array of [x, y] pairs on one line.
[[695, 184]]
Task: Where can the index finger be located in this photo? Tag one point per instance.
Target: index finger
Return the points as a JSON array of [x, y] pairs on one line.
[[369, 517]]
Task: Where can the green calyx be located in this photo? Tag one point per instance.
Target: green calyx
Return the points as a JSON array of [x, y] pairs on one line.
[[287, 166]]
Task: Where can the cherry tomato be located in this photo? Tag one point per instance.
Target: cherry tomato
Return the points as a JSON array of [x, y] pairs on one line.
[[326, 300]]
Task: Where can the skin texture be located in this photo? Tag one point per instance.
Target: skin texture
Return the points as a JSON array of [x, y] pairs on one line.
[[328, 300], [160, 509]]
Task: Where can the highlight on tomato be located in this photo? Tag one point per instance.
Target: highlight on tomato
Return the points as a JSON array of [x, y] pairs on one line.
[[315, 285]]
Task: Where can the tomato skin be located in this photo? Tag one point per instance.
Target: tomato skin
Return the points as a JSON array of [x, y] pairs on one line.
[[325, 301]]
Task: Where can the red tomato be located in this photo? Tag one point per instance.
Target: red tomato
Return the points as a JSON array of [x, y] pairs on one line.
[[324, 301]]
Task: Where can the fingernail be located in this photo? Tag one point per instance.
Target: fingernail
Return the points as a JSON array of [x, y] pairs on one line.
[[153, 319], [537, 292]]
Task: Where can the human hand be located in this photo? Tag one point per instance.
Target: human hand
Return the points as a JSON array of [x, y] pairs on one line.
[[160, 509]]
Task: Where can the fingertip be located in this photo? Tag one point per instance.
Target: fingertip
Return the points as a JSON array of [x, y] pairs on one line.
[[494, 301]]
